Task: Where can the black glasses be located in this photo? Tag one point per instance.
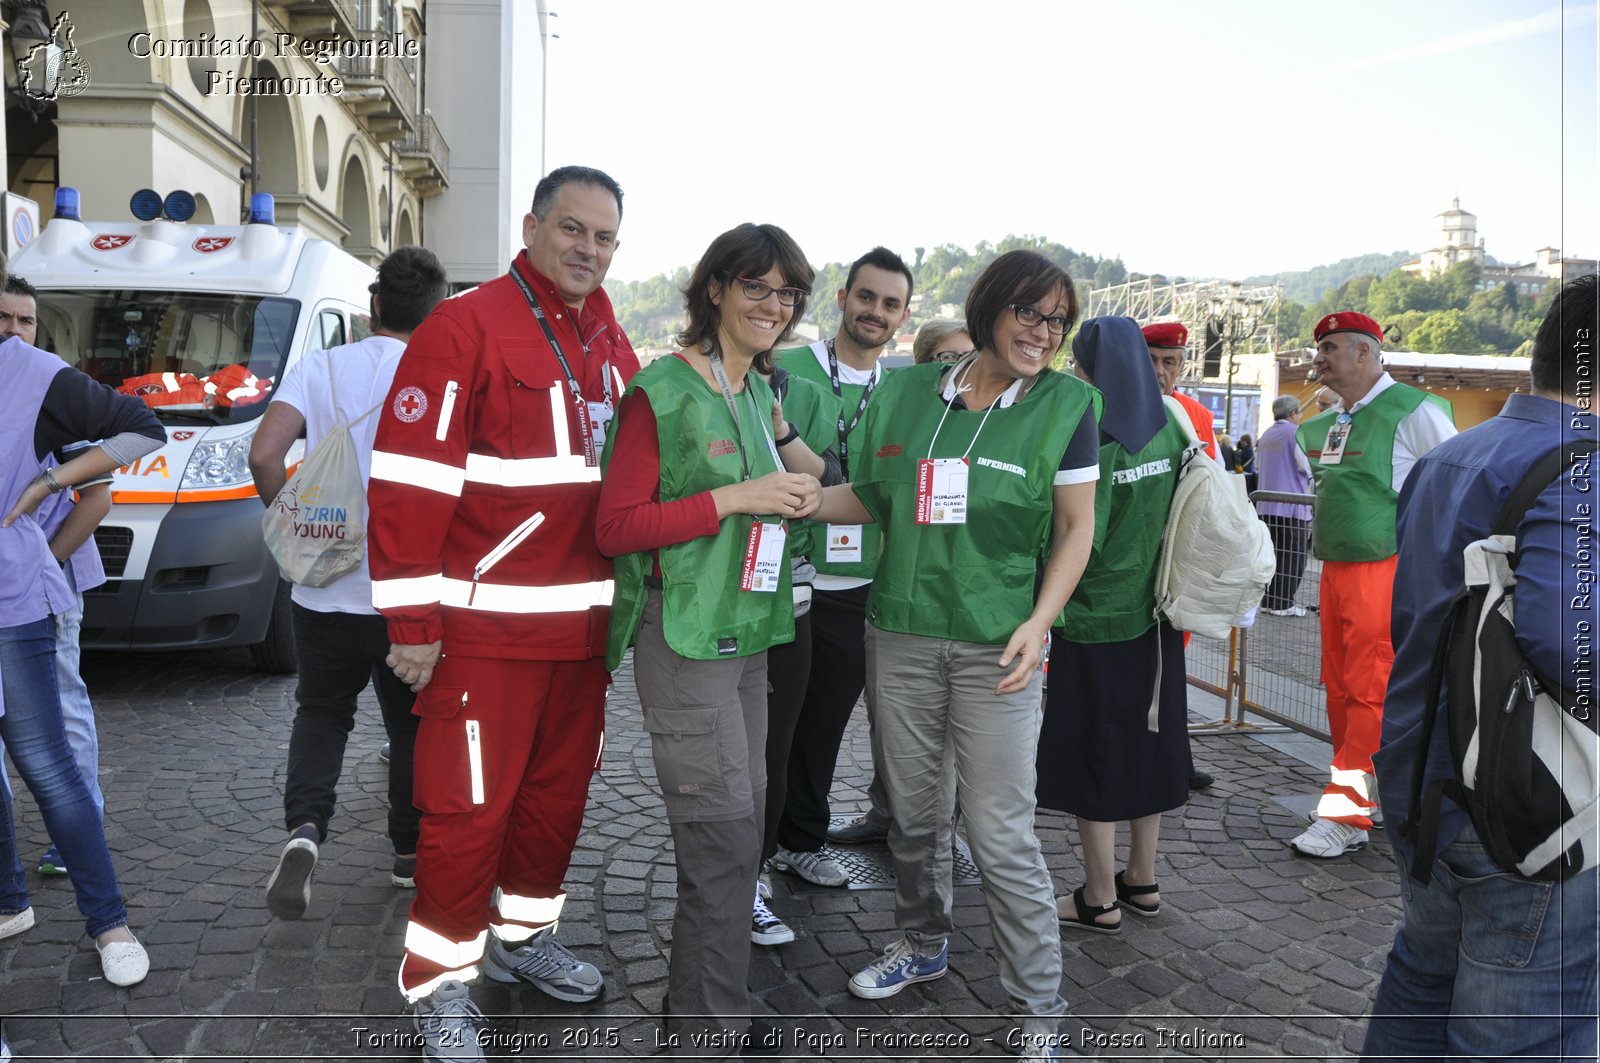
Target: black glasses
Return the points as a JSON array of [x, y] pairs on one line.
[[951, 356], [1028, 317], [755, 291]]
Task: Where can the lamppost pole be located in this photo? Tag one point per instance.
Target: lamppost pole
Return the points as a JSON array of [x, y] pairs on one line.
[[1236, 319]]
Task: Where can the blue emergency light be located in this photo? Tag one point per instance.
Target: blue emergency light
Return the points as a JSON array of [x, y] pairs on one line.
[[146, 204], [261, 209], [67, 203], [179, 205]]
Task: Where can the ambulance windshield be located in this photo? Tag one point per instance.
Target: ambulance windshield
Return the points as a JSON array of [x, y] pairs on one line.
[[212, 357]]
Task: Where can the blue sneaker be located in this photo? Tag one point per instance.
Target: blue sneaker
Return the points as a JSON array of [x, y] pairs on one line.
[[51, 863], [899, 967]]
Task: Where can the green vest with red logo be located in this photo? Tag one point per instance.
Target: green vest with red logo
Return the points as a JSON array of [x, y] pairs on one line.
[[1116, 598], [704, 613], [811, 409], [971, 582], [1356, 500], [801, 362]]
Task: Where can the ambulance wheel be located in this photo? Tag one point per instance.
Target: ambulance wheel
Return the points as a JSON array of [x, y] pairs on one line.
[[275, 653]]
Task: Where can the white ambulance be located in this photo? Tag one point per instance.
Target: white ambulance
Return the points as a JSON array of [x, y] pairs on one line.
[[200, 321]]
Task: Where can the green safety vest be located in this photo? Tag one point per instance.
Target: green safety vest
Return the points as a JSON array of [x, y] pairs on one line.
[[1116, 598], [801, 362], [971, 582], [1356, 500], [704, 614], [812, 409]]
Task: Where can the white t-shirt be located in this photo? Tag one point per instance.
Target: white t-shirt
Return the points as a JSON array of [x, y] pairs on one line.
[[362, 374]]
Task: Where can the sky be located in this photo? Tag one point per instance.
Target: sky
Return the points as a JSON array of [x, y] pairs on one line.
[[1223, 139]]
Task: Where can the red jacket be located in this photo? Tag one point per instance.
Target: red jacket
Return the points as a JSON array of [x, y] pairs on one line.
[[479, 440], [1204, 423]]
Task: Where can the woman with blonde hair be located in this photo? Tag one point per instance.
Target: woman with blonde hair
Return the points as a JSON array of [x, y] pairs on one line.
[[944, 339]]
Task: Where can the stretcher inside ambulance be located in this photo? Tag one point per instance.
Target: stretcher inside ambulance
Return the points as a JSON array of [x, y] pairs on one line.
[[200, 322]]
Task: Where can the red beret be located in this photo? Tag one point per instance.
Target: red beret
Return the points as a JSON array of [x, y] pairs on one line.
[[1348, 322], [1166, 334]]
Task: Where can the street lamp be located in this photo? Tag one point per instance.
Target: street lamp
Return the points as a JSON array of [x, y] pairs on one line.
[[1234, 318]]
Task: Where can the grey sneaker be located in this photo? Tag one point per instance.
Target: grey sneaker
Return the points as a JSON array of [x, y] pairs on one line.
[[813, 867], [289, 888], [447, 1021], [859, 831], [545, 964]]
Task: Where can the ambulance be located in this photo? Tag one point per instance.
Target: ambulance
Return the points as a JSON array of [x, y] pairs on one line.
[[200, 322]]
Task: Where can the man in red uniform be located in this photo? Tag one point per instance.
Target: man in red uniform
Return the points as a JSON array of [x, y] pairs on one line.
[[1169, 346], [485, 479]]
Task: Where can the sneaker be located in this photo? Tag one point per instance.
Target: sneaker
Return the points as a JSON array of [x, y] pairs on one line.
[[447, 1021], [859, 831], [766, 928], [404, 874], [1200, 780], [16, 923], [813, 867], [1328, 838], [289, 888], [544, 963], [899, 968], [51, 863], [1293, 610], [123, 963]]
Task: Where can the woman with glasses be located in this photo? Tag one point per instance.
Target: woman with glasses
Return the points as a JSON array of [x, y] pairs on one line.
[[975, 472], [1115, 743], [942, 340], [694, 504]]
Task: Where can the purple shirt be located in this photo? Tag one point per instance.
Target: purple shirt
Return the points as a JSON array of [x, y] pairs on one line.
[[1279, 469]]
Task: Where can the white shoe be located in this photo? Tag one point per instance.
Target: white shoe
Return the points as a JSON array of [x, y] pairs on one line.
[[1327, 838], [766, 928], [16, 924], [124, 962], [813, 867], [289, 888]]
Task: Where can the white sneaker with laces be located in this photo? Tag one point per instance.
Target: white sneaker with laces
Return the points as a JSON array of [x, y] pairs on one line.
[[813, 867], [447, 1021], [544, 963], [16, 924], [1327, 838], [766, 928]]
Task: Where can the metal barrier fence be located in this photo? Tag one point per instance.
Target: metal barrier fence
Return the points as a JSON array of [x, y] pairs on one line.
[[1271, 669]]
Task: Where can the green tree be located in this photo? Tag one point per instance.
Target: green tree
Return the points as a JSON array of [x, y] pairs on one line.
[[1446, 332]]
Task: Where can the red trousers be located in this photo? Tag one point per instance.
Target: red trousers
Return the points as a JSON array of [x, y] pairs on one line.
[[1356, 659], [505, 752]]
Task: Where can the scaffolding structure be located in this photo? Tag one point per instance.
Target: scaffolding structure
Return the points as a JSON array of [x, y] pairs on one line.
[[1197, 304]]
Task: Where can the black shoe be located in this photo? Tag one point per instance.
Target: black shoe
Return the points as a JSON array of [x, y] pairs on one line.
[[1200, 780], [762, 1039], [859, 831]]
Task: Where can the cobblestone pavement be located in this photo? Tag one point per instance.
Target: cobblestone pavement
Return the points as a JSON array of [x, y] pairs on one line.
[[1257, 953]]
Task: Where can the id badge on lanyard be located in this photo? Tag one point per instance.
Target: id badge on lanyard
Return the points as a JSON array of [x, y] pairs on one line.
[[764, 557], [1338, 438], [844, 543], [600, 414], [942, 491]]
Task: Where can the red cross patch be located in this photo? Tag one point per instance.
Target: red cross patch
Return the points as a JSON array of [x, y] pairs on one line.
[[410, 404], [111, 241], [207, 244]]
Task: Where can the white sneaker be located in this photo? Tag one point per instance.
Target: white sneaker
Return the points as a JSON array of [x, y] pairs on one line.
[[1327, 838], [16, 924], [813, 867], [124, 963], [766, 928], [447, 1021]]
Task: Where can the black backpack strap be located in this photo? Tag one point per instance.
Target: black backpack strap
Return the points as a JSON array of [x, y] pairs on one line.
[[1533, 483], [1422, 823]]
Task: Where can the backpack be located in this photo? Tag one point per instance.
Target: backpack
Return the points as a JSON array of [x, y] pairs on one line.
[[1216, 556], [316, 527], [1526, 764]]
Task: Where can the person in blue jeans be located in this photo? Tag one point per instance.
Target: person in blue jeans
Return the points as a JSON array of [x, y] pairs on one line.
[[44, 406], [1486, 963], [69, 525]]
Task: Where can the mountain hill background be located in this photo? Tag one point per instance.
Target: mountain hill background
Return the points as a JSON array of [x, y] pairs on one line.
[[1450, 313]]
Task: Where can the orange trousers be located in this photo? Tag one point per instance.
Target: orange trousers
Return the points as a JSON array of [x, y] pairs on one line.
[[1356, 659]]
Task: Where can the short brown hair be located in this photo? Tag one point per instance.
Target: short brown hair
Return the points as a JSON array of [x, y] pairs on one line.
[[746, 250], [1021, 277]]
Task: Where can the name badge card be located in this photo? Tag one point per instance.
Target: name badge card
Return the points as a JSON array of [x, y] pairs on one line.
[[844, 543], [942, 491], [600, 414], [764, 557], [1333, 446]]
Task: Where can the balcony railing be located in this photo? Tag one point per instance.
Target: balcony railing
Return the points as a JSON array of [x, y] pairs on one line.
[[319, 17], [392, 112], [425, 157]]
